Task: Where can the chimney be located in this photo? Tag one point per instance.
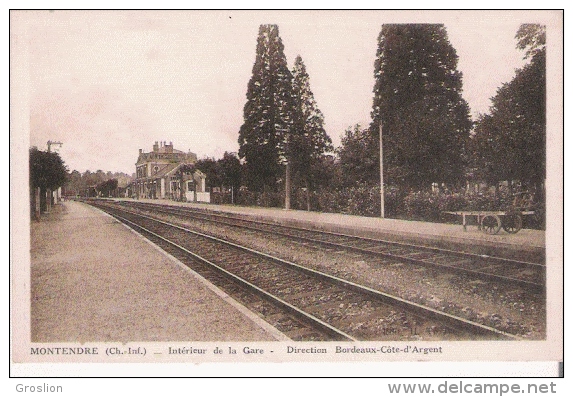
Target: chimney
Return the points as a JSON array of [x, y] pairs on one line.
[[140, 151], [156, 146]]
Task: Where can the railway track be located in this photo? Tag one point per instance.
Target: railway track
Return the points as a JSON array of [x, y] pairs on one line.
[[311, 305], [512, 272]]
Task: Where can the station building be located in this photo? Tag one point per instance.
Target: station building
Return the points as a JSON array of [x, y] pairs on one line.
[[168, 173]]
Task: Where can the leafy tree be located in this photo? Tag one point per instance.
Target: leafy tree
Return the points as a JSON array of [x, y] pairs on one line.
[[509, 142], [224, 172], [74, 185], [184, 170], [230, 169], [358, 157], [107, 188], [418, 103], [308, 140], [78, 184], [47, 172], [486, 160], [47, 169], [210, 167], [267, 113], [326, 172], [100, 176], [531, 38]]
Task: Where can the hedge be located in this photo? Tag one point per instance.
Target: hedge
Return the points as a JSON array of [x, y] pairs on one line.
[[364, 200]]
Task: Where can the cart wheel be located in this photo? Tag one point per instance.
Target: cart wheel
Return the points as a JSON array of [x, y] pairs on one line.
[[512, 222], [490, 224]]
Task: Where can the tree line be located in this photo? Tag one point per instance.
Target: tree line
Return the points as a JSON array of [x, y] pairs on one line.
[[428, 134], [48, 172], [95, 183], [508, 143]]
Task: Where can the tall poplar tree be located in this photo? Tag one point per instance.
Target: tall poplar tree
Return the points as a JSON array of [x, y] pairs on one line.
[[418, 102], [308, 140], [267, 114]]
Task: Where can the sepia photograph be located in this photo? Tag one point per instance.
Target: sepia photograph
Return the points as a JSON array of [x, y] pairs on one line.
[[296, 186]]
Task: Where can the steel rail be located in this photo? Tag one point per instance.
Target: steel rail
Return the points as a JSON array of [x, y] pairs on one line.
[[422, 262], [453, 321], [309, 318]]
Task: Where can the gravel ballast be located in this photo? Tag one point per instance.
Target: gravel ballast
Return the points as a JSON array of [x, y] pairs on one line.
[[511, 309]]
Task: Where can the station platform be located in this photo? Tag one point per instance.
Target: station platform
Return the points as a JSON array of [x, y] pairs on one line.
[[95, 280], [526, 245]]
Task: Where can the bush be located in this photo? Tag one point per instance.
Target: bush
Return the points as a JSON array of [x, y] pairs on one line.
[[430, 206], [246, 198], [221, 198], [264, 199], [331, 200], [364, 200], [393, 201], [481, 202], [422, 206], [270, 199]]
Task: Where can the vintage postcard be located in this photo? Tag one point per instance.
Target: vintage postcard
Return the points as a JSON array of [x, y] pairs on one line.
[[313, 187]]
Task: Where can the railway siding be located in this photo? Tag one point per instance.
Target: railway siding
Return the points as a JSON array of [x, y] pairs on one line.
[[520, 329], [527, 245], [517, 310]]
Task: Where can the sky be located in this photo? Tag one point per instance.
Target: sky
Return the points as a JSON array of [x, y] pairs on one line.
[[108, 83]]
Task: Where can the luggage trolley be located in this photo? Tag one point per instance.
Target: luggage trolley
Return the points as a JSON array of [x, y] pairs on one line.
[[491, 222]]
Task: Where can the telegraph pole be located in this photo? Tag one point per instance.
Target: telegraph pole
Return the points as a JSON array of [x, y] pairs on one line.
[[287, 185], [287, 166], [381, 175]]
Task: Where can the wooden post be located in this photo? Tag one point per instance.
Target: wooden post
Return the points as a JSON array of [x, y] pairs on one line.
[[37, 203], [287, 186], [307, 195], [287, 166], [48, 200]]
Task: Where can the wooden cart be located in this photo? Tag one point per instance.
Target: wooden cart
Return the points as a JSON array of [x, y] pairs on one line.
[[491, 222]]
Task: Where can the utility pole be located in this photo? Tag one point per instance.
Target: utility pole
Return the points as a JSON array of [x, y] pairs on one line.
[[287, 185], [381, 175], [287, 167]]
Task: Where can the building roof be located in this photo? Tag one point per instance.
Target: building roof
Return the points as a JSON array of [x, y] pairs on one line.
[[165, 149], [162, 156], [166, 170], [174, 169], [165, 159], [170, 169]]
